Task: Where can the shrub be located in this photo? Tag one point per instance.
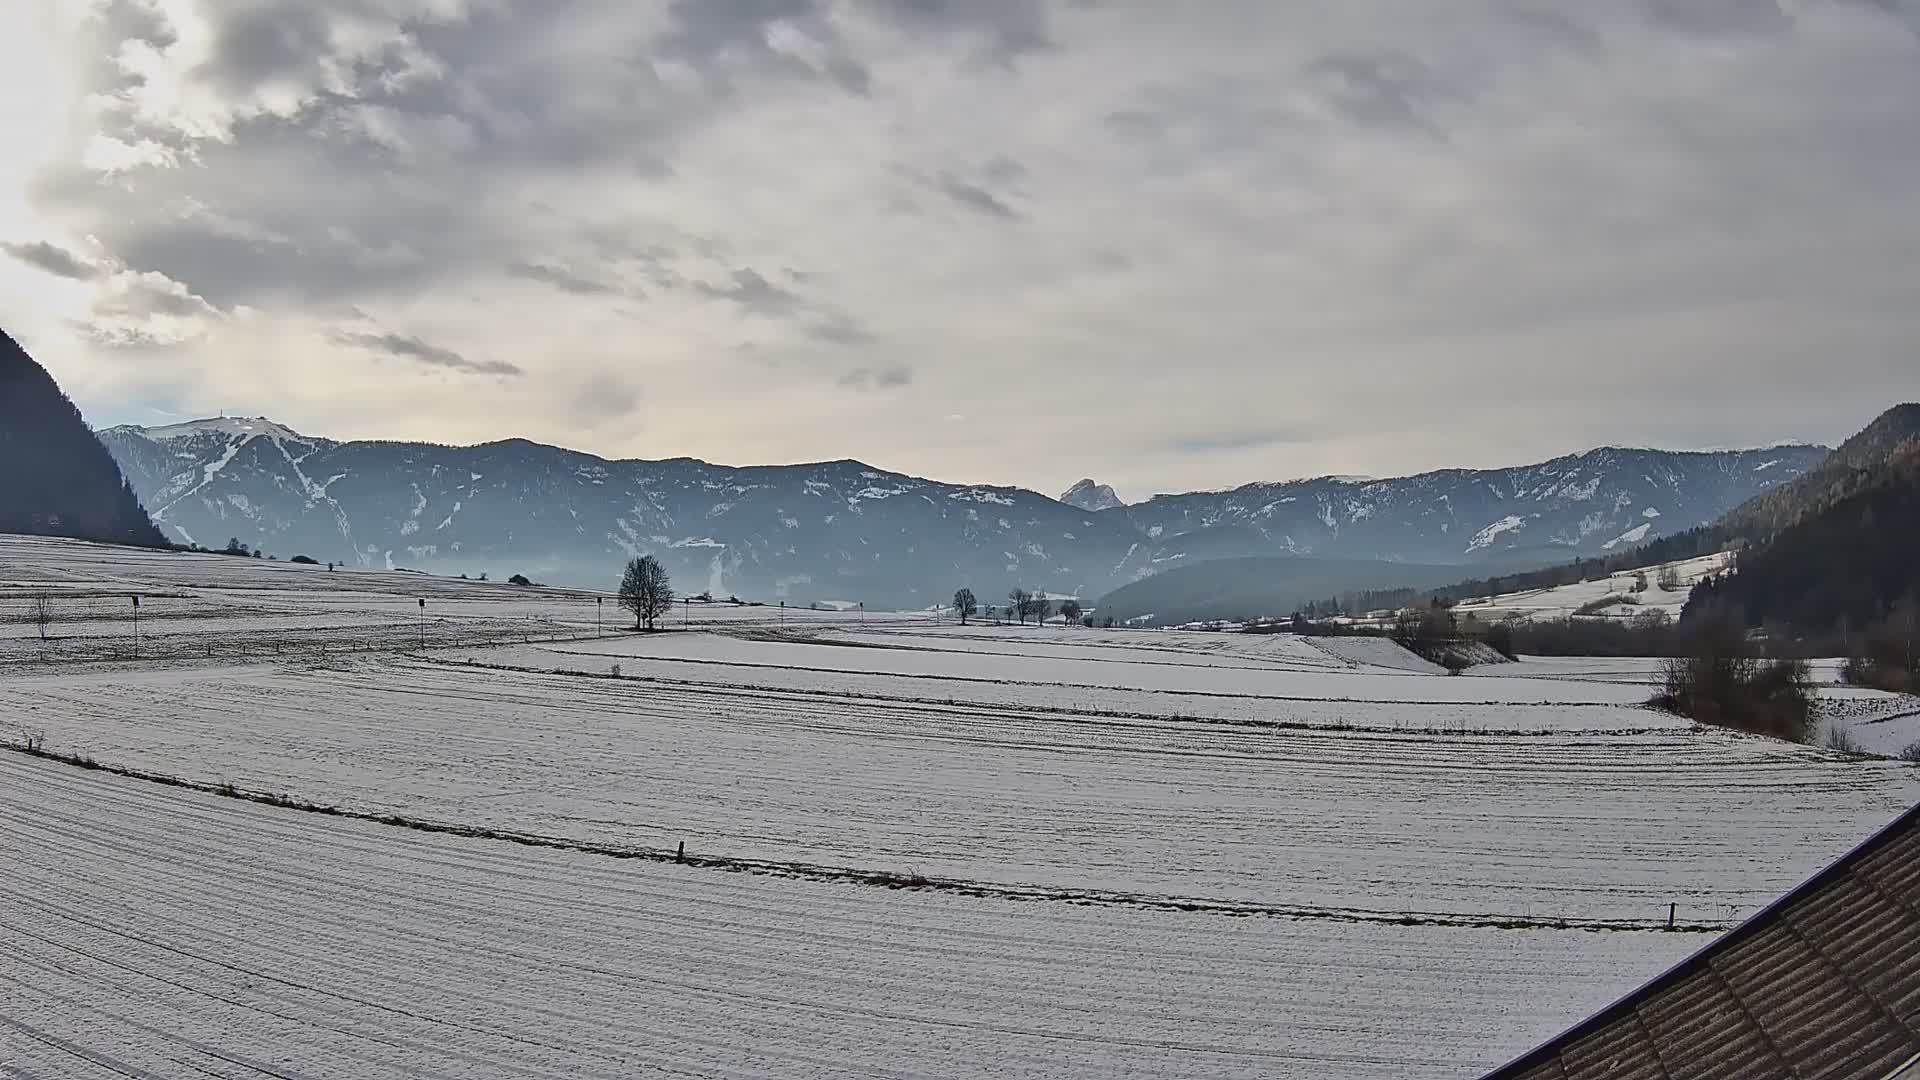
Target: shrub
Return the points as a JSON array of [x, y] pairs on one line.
[[1911, 752], [1841, 739], [519, 579], [1720, 681], [1595, 607], [1500, 640], [1887, 656], [304, 560]]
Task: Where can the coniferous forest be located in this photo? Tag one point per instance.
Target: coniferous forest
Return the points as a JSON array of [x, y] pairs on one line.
[[56, 479]]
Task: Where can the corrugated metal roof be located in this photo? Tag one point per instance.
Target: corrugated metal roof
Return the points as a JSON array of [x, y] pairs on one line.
[[1824, 983]]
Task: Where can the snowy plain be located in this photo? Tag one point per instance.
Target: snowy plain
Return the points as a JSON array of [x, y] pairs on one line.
[[1564, 601], [1148, 853]]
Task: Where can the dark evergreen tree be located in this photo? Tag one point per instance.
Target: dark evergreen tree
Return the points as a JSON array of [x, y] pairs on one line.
[[1849, 563], [56, 479]]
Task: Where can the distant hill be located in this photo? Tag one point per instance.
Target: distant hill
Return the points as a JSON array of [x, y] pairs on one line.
[[1588, 504], [1841, 561], [1852, 467], [56, 479], [1241, 589], [1857, 464]]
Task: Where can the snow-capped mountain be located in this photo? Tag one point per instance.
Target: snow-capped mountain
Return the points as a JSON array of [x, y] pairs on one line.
[[829, 531], [1092, 497], [843, 530], [1582, 504]]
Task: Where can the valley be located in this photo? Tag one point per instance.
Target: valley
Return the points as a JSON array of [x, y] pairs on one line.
[[529, 842]]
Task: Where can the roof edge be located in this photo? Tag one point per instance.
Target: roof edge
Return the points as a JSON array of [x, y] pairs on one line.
[[1747, 927]]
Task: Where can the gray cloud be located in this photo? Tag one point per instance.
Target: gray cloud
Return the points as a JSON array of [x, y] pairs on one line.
[[560, 278], [1558, 28], [752, 291], [1381, 88], [602, 397], [412, 348], [134, 309], [1215, 442], [1010, 29], [724, 37], [1720, 16], [886, 378], [55, 260], [973, 197], [839, 329]]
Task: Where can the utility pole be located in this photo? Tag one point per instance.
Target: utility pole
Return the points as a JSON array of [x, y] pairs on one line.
[[423, 622], [686, 612], [136, 626], [783, 613], [599, 605]]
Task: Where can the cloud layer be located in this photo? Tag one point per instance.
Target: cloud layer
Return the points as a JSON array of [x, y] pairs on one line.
[[1164, 246]]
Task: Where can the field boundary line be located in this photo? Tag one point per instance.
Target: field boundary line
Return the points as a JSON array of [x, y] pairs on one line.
[[1109, 714], [889, 879]]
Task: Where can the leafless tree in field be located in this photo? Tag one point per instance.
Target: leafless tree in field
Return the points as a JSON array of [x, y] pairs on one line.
[[42, 613], [646, 591], [1020, 604]]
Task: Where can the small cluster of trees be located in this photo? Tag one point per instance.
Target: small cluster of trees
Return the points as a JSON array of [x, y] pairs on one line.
[[1720, 678], [236, 548], [1021, 605], [1887, 654]]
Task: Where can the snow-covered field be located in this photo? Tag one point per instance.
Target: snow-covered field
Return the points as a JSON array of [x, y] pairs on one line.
[[215, 606], [1127, 852], [153, 932], [1564, 601]]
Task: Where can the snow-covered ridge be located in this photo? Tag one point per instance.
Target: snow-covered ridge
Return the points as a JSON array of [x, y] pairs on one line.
[[223, 425], [873, 534]]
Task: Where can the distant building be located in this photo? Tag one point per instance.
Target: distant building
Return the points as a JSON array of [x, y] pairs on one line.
[[1823, 983]]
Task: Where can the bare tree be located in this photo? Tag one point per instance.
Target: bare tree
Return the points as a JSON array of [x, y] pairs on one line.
[[41, 611], [1040, 606], [1669, 579], [646, 591], [1071, 610], [965, 604], [1020, 604]]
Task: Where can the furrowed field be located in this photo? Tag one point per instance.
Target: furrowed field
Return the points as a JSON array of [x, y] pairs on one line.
[[326, 833]]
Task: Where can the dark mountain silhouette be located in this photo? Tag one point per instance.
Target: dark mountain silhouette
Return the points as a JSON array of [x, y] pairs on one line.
[[56, 479], [1847, 561], [1861, 463], [1858, 463]]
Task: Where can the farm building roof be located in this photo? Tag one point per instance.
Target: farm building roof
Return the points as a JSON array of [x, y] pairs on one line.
[[1825, 982]]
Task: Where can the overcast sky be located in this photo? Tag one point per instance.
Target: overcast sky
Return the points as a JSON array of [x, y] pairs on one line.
[[1166, 245]]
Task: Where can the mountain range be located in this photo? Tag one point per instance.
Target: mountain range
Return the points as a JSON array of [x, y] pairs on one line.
[[844, 530]]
